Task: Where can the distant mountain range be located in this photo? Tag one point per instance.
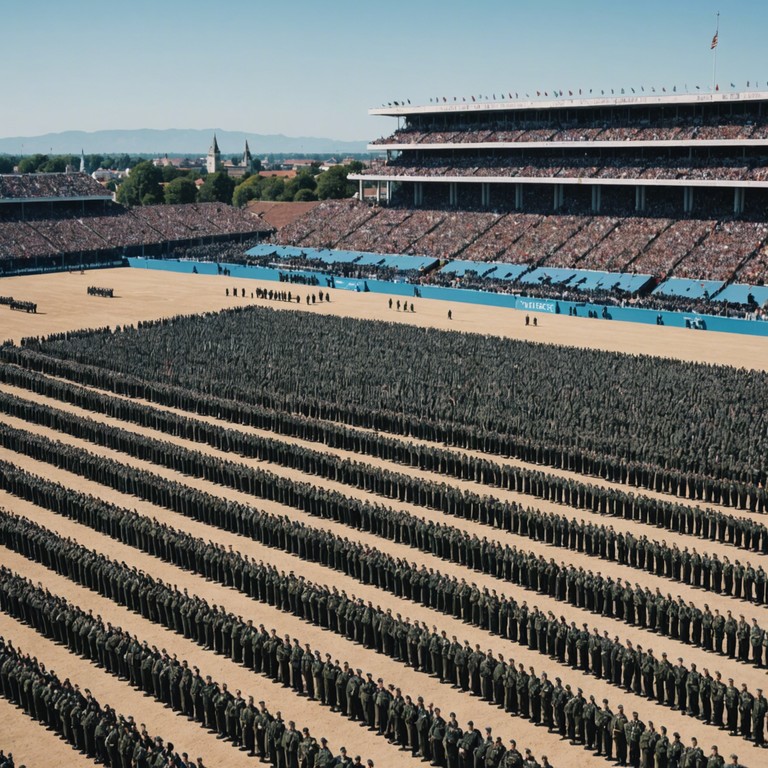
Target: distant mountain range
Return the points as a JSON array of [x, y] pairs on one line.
[[192, 142]]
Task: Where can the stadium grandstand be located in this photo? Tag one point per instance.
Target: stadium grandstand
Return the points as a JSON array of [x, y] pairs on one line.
[[69, 220], [669, 186]]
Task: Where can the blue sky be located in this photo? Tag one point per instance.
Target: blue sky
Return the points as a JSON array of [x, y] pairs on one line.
[[314, 67]]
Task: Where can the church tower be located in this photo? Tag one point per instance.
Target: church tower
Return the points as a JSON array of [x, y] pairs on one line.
[[82, 161], [213, 161], [247, 159]]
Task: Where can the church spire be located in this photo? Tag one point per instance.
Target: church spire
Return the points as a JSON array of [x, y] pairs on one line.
[[82, 161], [213, 161], [247, 159]]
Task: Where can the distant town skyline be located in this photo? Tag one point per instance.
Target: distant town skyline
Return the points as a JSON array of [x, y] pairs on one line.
[[302, 68]]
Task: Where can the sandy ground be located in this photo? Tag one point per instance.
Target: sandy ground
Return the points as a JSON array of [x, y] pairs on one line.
[[144, 294], [149, 294]]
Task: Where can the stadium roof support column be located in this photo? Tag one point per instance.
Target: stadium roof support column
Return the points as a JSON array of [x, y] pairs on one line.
[[639, 197], [687, 199], [518, 197], [597, 198], [558, 197], [738, 200], [453, 193], [361, 189], [485, 194]]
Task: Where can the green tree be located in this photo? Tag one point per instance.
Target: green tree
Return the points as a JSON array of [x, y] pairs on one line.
[[304, 196], [217, 188], [181, 190], [247, 189], [6, 164], [32, 163], [273, 188], [58, 164], [143, 185], [333, 184]]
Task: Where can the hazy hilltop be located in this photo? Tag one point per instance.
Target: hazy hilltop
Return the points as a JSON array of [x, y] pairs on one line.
[[186, 141]]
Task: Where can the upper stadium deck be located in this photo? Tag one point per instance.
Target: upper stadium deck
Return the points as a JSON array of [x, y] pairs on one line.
[[709, 119], [51, 187]]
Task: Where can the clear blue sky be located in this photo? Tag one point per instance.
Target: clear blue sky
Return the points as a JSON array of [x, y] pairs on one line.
[[313, 67]]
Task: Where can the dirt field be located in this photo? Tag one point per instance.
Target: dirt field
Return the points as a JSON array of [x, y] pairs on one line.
[[143, 295], [149, 294]]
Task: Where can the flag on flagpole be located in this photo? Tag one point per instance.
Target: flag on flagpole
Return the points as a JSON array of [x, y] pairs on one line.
[[714, 42]]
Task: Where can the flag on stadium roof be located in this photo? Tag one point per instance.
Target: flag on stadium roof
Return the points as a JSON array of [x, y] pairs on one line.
[[714, 42]]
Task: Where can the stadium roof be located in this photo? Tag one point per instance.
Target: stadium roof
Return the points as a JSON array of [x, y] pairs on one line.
[[664, 99]]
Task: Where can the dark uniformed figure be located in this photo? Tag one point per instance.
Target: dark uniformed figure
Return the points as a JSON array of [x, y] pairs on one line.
[[634, 730], [619, 735], [468, 744], [451, 742], [648, 740]]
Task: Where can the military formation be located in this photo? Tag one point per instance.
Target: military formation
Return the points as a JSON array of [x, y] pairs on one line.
[[469, 390], [465, 393], [157, 673], [614, 598], [104, 293], [404, 720], [95, 729]]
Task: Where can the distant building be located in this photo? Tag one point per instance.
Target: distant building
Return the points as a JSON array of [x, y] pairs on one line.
[[246, 165], [82, 161], [297, 164], [247, 158], [213, 161]]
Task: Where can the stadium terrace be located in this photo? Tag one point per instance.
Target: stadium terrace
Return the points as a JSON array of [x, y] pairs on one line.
[[69, 220], [671, 185]]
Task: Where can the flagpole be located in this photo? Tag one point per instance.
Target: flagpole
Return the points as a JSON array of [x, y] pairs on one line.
[[714, 52]]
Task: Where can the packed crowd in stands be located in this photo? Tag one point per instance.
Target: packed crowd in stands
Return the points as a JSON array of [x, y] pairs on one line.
[[738, 129], [28, 186], [101, 230], [607, 297], [661, 246], [225, 253], [658, 168]]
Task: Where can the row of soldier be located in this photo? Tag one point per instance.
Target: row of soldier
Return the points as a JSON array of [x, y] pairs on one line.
[[96, 730], [415, 726], [272, 294], [258, 648], [161, 675], [668, 616], [481, 383]]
